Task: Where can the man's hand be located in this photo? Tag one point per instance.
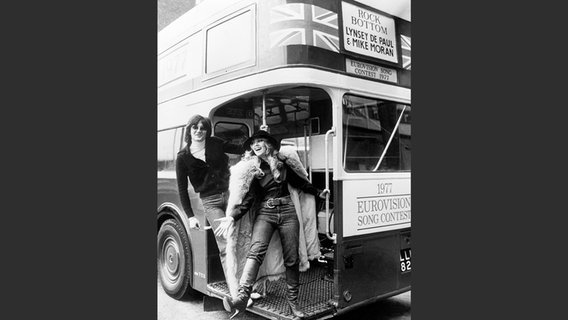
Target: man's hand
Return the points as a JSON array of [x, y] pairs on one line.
[[224, 226], [193, 223]]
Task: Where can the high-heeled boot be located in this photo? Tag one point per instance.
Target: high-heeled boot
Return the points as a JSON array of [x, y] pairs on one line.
[[238, 305], [293, 284], [248, 277]]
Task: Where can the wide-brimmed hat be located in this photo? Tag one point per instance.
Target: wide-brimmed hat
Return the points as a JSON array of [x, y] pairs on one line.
[[264, 135]]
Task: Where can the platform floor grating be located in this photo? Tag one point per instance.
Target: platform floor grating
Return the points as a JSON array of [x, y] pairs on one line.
[[315, 294]]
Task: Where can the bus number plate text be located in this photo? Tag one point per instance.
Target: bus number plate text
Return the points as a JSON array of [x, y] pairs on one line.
[[405, 265]]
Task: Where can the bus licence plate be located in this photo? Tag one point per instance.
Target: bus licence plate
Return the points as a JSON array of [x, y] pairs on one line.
[[405, 265]]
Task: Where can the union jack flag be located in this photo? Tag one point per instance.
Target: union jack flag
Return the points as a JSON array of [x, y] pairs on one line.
[[301, 23], [405, 45]]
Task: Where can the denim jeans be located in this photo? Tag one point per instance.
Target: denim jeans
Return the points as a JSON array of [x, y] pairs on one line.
[[215, 206], [284, 219]]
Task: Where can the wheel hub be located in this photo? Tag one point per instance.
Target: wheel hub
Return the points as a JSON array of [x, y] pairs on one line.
[[171, 259]]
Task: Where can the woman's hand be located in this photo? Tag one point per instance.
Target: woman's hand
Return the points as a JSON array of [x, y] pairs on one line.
[[224, 226], [323, 193], [193, 223]]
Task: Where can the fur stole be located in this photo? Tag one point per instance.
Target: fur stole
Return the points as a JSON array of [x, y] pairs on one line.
[[239, 236]]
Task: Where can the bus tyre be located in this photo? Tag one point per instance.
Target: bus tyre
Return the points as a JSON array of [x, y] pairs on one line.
[[174, 259]]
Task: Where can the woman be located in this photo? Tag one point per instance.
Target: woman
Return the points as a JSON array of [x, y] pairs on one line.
[[277, 211], [206, 165]]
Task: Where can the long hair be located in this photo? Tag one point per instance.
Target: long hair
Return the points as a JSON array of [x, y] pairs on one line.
[[194, 121], [274, 161]]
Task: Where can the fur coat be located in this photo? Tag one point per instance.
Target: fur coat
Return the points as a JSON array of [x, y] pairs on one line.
[[239, 235]]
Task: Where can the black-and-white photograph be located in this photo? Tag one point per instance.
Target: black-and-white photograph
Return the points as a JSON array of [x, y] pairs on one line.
[[284, 159]]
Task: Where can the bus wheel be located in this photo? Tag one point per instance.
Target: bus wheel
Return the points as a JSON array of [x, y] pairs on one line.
[[174, 259]]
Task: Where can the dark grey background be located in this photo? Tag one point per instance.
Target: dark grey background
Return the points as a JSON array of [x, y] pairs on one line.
[[79, 158]]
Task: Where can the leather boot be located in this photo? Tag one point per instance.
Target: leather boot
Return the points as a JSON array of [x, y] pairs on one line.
[[293, 284], [239, 304], [248, 277]]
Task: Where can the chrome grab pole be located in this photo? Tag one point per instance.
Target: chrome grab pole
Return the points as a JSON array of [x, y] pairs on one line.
[[310, 161], [263, 126], [327, 232], [306, 153]]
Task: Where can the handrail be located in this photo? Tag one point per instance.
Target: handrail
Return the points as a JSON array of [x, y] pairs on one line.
[[390, 139], [333, 237]]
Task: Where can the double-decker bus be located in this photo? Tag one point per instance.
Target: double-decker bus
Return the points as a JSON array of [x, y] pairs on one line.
[[331, 79]]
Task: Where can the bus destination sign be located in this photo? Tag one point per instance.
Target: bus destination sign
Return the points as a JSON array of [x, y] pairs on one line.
[[370, 70], [369, 33]]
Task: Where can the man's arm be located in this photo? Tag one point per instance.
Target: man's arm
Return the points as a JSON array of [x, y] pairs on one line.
[[181, 175]]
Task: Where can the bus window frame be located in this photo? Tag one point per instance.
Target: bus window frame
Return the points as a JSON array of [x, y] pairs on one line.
[[367, 117], [254, 39], [230, 122], [336, 162], [182, 131]]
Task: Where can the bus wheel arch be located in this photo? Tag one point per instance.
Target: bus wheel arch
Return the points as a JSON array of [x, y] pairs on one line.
[[175, 265]]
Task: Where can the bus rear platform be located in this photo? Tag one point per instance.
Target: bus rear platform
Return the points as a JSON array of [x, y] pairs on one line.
[[315, 299]]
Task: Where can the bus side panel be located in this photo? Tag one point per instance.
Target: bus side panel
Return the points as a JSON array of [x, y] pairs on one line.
[[168, 192], [369, 266]]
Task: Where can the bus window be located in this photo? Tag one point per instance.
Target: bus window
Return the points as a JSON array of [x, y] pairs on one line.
[[234, 133], [169, 143], [293, 115], [292, 112], [236, 34], [368, 126]]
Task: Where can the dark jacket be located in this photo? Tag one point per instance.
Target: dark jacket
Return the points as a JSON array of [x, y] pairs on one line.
[[266, 187], [207, 178]]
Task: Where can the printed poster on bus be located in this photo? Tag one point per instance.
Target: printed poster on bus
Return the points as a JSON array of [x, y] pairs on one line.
[[369, 33], [376, 205]]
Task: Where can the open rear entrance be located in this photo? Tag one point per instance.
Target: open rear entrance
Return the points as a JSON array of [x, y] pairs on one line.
[[298, 116], [316, 294]]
